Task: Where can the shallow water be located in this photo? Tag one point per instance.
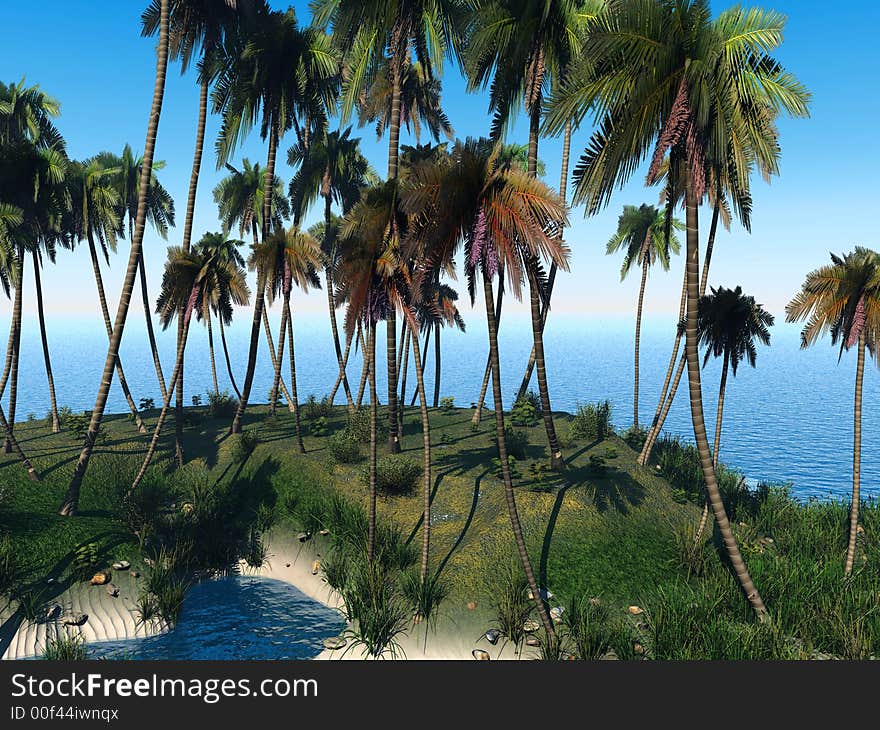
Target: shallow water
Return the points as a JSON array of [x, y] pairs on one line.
[[238, 617], [789, 420]]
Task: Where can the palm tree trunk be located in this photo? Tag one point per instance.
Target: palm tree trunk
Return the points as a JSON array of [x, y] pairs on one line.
[[857, 458], [278, 358], [426, 446], [342, 374], [402, 352], [334, 328], [14, 445], [502, 457], [437, 366], [151, 335], [175, 376], [478, 411], [226, 355], [637, 342], [56, 424], [424, 349], [696, 401], [102, 298], [365, 370], [293, 394], [211, 351], [405, 337], [15, 336], [10, 343], [261, 284], [281, 384], [657, 426], [704, 518], [374, 412], [71, 500]]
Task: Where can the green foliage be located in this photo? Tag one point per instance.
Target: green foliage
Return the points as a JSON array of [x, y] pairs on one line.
[[146, 404], [512, 467], [78, 424], [424, 598], [10, 567], [196, 401], [313, 409], [592, 422], [380, 613], [587, 621], [344, 447], [66, 647], [318, 427], [516, 440], [146, 606], [85, 561], [396, 474], [598, 463], [635, 437], [540, 475], [32, 605], [447, 404], [511, 602], [526, 410], [358, 425], [169, 599], [221, 405], [242, 445]]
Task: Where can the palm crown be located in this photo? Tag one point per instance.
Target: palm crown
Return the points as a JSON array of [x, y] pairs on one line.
[[729, 323]]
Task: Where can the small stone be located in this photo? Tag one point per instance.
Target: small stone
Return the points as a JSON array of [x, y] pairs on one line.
[[635, 611], [532, 641], [316, 566], [50, 581], [492, 636], [531, 626], [100, 579], [76, 619], [472, 606], [566, 657], [334, 643], [556, 613], [545, 594], [121, 565], [150, 562], [53, 612], [287, 565], [112, 590], [303, 536], [480, 655], [324, 532], [638, 649], [610, 656], [135, 574]]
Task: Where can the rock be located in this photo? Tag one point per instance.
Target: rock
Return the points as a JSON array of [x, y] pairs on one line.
[[50, 581], [635, 611], [53, 612], [610, 656], [860, 530], [100, 579], [121, 565], [531, 626], [150, 562], [287, 565], [638, 649], [566, 657], [480, 655], [472, 606], [532, 641], [334, 643], [112, 590], [324, 532], [492, 636], [545, 594], [186, 508], [316, 566], [556, 613], [135, 574], [303, 536], [75, 619]]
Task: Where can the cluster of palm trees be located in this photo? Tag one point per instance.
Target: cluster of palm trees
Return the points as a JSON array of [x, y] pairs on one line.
[[696, 97]]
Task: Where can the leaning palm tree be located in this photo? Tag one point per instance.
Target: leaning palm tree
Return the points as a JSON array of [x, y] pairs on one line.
[[641, 234], [843, 298], [502, 217], [728, 325], [287, 259], [667, 77], [70, 503], [379, 37]]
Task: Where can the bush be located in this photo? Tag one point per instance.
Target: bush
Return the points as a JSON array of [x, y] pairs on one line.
[[242, 444], [592, 421], [78, 423], [318, 427], [588, 623], [85, 561], [395, 474], [635, 437], [146, 404], [381, 615], [313, 409], [517, 441], [196, 401], [10, 570], [221, 405], [65, 648], [447, 404], [511, 603], [344, 447], [526, 410], [359, 425]]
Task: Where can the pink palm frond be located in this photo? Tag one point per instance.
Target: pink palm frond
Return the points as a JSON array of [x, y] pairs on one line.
[[860, 318]]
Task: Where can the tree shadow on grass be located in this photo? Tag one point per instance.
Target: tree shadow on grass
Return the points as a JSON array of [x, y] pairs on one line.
[[437, 479], [467, 523], [609, 487]]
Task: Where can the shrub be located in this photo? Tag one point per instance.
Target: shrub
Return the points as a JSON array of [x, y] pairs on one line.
[[358, 425], [517, 441], [381, 615], [32, 605], [146, 606], [598, 463], [447, 404], [318, 427], [78, 424], [512, 466], [395, 474], [65, 648], [635, 437], [10, 570], [511, 603], [242, 444], [85, 561], [221, 405], [424, 598], [587, 621], [196, 401], [526, 410], [146, 404], [592, 421], [145, 507], [344, 447], [313, 409], [169, 599]]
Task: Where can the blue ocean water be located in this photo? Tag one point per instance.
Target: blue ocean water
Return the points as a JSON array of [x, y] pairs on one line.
[[788, 420], [238, 617]]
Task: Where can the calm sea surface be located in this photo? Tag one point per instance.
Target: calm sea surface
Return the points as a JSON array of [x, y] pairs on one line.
[[789, 420]]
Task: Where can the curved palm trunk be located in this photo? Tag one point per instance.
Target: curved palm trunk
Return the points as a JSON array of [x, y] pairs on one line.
[[704, 518], [334, 327], [857, 457], [365, 370], [426, 446], [102, 298], [342, 373], [10, 345], [437, 367], [226, 355], [145, 296], [374, 412], [502, 457], [175, 376], [405, 338], [637, 342], [422, 368], [294, 397], [71, 500], [275, 360], [15, 341], [14, 445], [696, 401], [278, 357], [261, 285], [211, 351], [657, 426], [478, 411], [56, 424]]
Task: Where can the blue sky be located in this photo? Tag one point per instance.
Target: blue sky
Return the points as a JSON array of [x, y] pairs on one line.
[[89, 55]]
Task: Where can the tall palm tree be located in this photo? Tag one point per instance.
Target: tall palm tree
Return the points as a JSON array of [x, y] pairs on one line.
[[283, 72], [843, 298], [502, 217], [377, 35], [225, 285], [728, 325], [70, 503], [517, 48], [665, 69], [334, 168], [641, 233], [287, 259]]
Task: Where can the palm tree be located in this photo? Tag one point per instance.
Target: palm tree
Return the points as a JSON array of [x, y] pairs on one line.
[[518, 47], [282, 73], [225, 285], [843, 298], [665, 69], [728, 324], [641, 233], [334, 168], [287, 259], [70, 502], [195, 26], [379, 37], [502, 216], [95, 218]]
